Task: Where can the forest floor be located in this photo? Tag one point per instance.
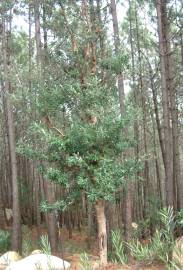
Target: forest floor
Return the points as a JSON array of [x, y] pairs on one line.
[[72, 248]]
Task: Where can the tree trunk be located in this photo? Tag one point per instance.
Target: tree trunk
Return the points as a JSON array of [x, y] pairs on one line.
[[102, 231], [51, 217], [156, 110], [38, 33], [121, 94], [16, 230], [117, 48], [176, 153], [164, 55], [2, 214], [143, 95]]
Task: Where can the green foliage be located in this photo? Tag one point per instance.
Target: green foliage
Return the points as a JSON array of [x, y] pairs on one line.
[[59, 205], [161, 245], [141, 252], [27, 244], [179, 217], [26, 247], [87, 157], [116, 63], [4, 240], [174, 266], [5, 6], [154, 205], [85, 262], [142, 229], [45, 244], [118, 246], [167, 219]]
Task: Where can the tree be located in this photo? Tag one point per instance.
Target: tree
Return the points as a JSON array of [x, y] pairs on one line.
[[166, 86], [16, 230], [121, 94]]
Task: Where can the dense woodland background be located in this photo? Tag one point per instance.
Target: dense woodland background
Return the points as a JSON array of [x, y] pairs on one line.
[[91, 116]]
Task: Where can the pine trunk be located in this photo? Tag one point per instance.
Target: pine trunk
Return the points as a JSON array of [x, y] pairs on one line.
[[16, 230], [121, 94], [164, 55]]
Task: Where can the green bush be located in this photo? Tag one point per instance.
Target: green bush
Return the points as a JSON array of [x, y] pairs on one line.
[[4, 240]]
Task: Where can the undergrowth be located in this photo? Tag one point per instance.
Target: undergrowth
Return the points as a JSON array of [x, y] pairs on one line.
[[4, 240], [118, 246], [85, 263], [161, 245]]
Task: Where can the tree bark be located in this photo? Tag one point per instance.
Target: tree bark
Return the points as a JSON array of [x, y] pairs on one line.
[[177, 177], [164, 55], [38, 32], [117, 50], [16, 230], [51, 217], [2, 214], [121, 94], [143, 94], [102, 231]]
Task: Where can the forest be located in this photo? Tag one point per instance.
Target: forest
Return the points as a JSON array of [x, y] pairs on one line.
[[91, 134]]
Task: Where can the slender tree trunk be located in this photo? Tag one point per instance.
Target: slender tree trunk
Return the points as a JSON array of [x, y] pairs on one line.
[[2, 214], [16, 230], [102, 231], [156, 110], [49, 187], [176, 152], [143, 95], [90, 225], [2, 180], [37, 197], [30, 46], [51, 217], [157, 167], [136, 124], [181, 50], [117, 50], [38, 32], [120, 81], [164, 54], [177, 140]]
